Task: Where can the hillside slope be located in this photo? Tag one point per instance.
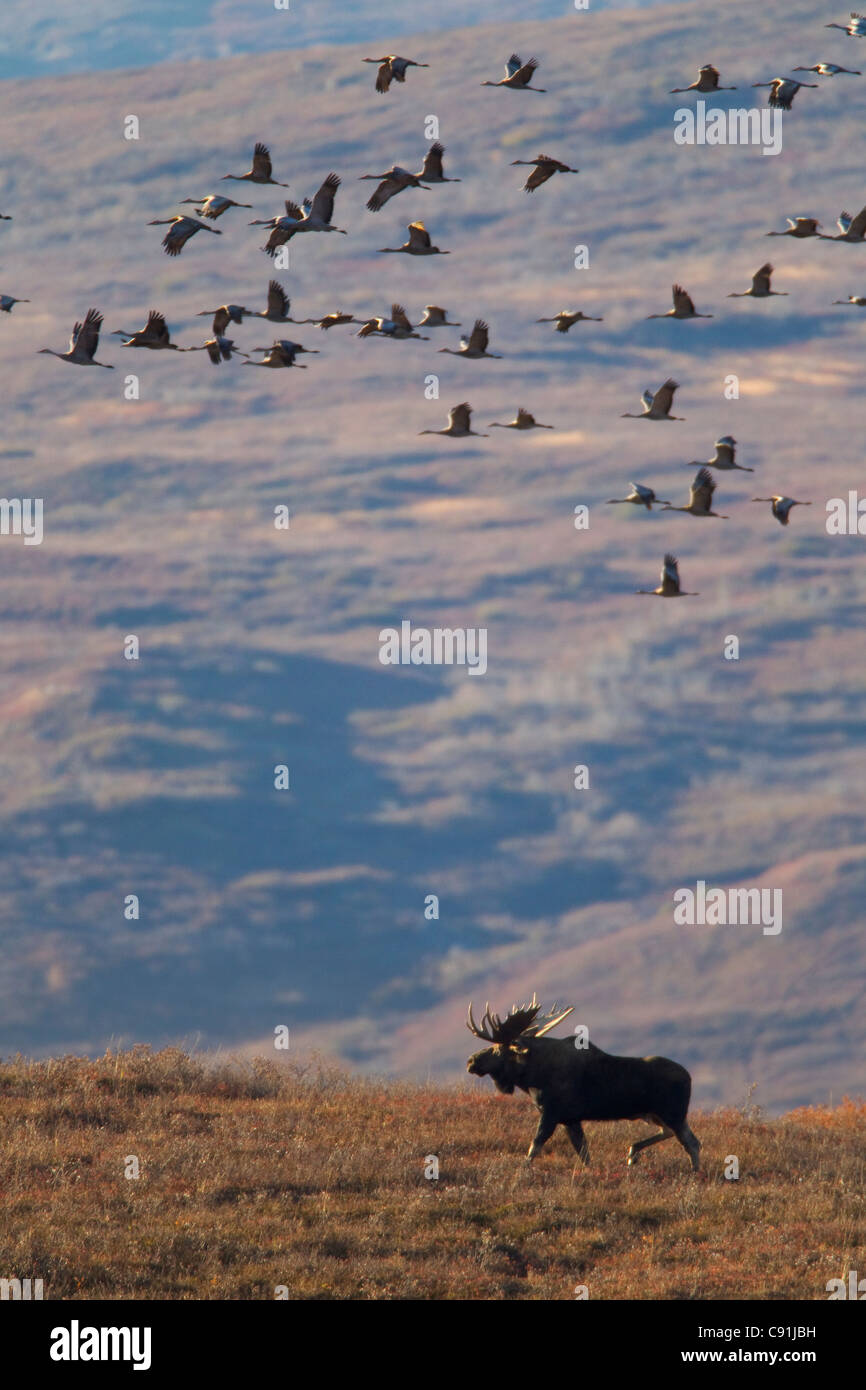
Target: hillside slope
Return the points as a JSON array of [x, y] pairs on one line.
[[304, 1183], [260, 647]]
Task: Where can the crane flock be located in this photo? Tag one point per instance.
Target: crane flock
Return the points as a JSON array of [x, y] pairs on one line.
[[314, 215]]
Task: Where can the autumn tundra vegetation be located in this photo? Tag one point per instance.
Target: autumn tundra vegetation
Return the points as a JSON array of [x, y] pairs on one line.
[[260, 1179]]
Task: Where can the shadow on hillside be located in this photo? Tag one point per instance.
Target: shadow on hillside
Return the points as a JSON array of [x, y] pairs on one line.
[[216, 956]]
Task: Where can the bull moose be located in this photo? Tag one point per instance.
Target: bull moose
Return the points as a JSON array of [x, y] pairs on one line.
[[570, 1084]]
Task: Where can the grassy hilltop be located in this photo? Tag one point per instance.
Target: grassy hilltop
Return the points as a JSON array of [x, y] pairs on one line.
[[255, 1176]]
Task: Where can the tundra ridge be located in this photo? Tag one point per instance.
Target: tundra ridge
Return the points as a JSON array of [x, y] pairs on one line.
[[256, 1177]]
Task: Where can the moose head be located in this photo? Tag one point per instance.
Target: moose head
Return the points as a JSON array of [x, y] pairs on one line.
[[505, 1061]]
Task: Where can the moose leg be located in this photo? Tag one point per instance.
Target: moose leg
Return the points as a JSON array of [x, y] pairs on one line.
[[578, 1139], [690, 1143], [546, 1125], [664, 1133]]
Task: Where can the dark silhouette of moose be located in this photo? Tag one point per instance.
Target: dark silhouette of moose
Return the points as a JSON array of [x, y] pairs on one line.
[[570, 1084]]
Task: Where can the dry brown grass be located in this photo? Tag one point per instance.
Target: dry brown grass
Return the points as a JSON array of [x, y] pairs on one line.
[[257, 1175]]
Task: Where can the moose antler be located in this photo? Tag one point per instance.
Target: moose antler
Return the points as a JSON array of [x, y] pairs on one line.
[[487, 1031], [496, 1030], [550, 1020], [521, 1022]]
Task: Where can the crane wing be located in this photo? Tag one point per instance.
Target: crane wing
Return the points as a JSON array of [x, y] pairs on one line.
[[540, 174], [701, 490], [323, 202], [85, 336], [156, 326], [670, 576], [383, 191], [523, 75], [479, 337], [418, 235], [278, 300], [664, 396], [261, 162], [432, 166], [857, 225], [761, 279]]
